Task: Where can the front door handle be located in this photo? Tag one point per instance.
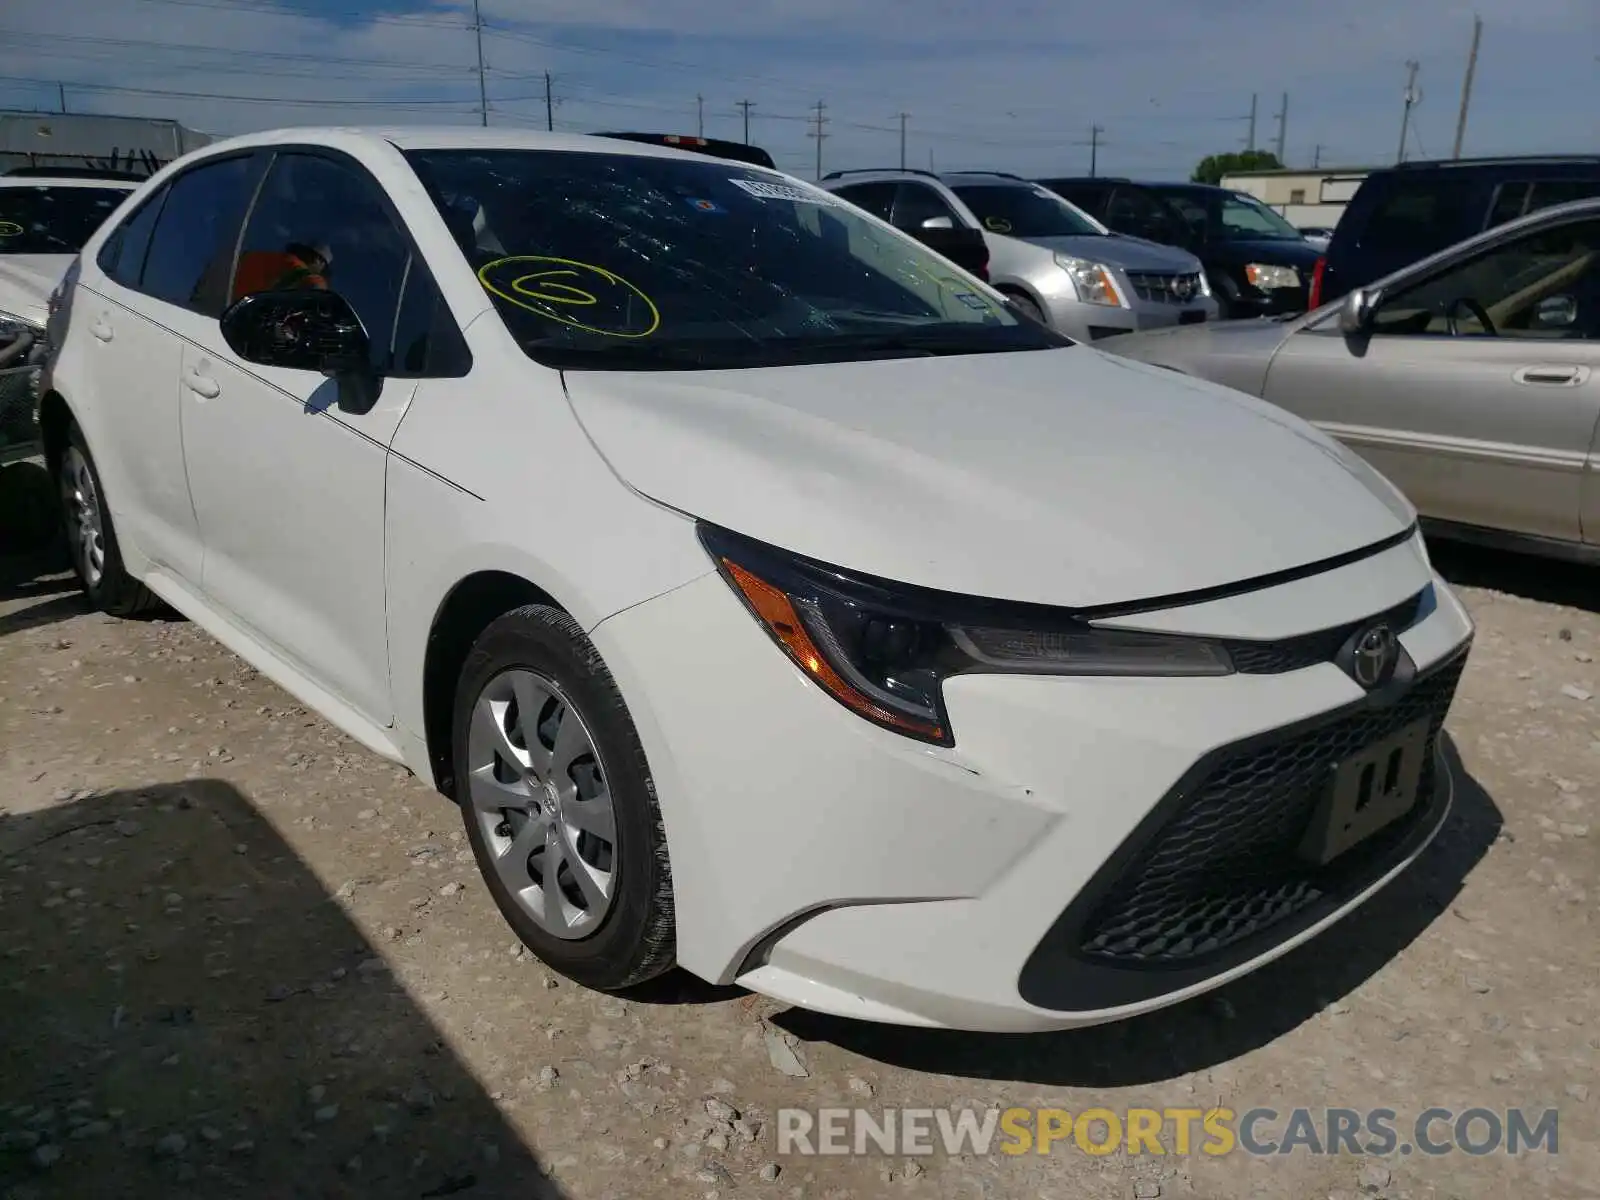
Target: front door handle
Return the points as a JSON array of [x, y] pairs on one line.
[[102, 330], [202, 385], [1552, 376]]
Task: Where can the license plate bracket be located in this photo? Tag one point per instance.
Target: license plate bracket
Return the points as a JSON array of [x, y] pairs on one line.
[[1366, 791]]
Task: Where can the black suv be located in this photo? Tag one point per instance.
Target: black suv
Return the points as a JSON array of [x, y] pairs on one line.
[[1402, 214], [1257, 263]]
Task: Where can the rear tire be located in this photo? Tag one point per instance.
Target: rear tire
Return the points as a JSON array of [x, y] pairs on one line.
[[92, 539], [549, 769]]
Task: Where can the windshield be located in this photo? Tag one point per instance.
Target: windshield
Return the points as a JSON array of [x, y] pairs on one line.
[[46, 219], [622, 261], [1228, 216], [1020, 211]]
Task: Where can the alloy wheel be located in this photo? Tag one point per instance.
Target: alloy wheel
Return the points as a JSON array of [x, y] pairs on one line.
[[85, 520], [539, 793]]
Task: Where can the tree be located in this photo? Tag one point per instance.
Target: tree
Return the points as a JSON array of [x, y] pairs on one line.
[[1214, 166]]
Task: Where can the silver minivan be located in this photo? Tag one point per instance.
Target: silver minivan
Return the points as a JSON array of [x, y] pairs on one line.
[[1055, 261]]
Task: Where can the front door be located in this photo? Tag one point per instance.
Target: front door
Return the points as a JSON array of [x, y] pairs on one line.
[[1478, 390], [289, 489]]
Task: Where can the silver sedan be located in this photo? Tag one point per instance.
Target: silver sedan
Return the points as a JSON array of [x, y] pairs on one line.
[[1469, 379]]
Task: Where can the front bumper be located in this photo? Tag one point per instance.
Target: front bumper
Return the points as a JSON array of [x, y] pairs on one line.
[[837, 866], [1094, 322]]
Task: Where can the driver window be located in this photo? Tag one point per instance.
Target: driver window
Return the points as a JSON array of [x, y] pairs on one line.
[[321, 223], [915, 204], [1545, 285]]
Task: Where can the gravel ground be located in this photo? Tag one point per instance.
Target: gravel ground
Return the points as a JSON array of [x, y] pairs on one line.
[[240, 956]]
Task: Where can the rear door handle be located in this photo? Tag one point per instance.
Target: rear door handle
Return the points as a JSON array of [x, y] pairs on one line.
[[1552, 376], [202, 385], [102, 330]]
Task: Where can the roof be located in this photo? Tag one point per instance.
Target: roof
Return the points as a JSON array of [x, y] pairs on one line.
[[949, 178], [450, 137], [68, 181], [1319, 172]]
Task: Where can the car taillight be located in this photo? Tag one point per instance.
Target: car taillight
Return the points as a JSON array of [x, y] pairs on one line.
[[1314, 299]]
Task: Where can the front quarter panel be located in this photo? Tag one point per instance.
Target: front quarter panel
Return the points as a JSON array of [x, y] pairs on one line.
[[1236, 354], [494, 473]]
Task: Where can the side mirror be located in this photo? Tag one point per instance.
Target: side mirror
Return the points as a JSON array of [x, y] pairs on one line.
[[306, 330], [938, 223], [1556, 312], [1355, 314]]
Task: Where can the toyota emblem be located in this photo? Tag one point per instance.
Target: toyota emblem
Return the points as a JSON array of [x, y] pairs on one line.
[[1373, 657]]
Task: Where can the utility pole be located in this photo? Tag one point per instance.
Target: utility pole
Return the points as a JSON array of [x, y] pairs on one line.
[[1094, 149], [483, 87], [1316, 157], [549, 104], [1283, 125], [700, 114], [1466, 84], [903, 117], [1412, 98], [1250, 141], [819, 120], [747, 105], [61, 90]]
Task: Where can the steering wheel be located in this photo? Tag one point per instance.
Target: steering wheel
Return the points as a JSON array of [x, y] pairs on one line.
[[1474, 309]]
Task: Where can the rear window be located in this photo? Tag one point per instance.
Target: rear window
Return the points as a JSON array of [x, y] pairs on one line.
[[41, 219], [1513, 200], [1417, 218]]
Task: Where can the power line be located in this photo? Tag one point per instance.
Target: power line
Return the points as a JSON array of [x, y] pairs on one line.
[[287, 101]]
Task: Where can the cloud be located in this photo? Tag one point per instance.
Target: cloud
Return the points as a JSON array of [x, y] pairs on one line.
[[1009, 84]]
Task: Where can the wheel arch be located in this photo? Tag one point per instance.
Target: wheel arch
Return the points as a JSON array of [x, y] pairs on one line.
[[55, 425], [470, 606]]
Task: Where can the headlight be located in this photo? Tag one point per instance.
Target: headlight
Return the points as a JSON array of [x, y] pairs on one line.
[[1093, 281], [1269, 278], [11, 325], [884, 650]]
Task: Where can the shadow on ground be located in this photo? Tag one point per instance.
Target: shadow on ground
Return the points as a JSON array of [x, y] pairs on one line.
[[1547, 580], [1215, 1028], [186, 1013]]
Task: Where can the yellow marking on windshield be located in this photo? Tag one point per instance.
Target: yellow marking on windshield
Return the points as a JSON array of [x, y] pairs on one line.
[[542, 293], [10, 229]]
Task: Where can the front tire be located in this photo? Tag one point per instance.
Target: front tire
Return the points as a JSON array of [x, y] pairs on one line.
[[558, 803], [1030, 307], [91, 537]]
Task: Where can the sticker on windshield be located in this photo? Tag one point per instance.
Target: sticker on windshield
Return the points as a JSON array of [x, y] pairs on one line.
[[974, 301], [10, 229], [762, 190], [699, 204], [997, 225]]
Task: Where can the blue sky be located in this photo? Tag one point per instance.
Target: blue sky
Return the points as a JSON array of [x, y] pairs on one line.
[[1003, 84]]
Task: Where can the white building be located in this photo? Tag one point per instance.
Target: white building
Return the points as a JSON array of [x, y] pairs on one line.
[[1307, 199]]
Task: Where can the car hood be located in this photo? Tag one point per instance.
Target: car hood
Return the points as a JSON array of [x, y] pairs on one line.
[[1062, 477], [26, 281], [1273, 252], [1131, 254]]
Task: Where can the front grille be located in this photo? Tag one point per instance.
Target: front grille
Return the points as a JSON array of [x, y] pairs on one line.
[[19, 421], [1309, 649], [1224, 866], [1160, 288]]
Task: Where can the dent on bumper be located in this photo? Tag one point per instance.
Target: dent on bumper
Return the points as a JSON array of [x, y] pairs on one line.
[[890, 881]]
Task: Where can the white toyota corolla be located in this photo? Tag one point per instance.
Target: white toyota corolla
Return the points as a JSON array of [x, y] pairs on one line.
[[771, 597]]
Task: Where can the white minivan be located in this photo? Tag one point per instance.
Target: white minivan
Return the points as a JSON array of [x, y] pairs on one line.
[[772, 598]]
